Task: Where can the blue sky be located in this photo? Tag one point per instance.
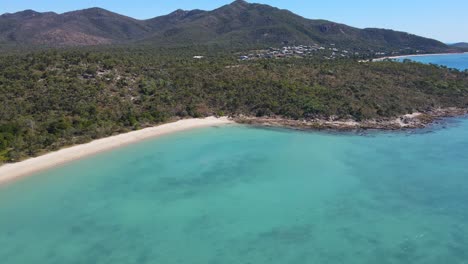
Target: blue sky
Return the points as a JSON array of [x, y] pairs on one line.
[[444, 20]]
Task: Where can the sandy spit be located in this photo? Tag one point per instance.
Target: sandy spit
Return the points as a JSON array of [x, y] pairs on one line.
[[416, 55], [27, 167]]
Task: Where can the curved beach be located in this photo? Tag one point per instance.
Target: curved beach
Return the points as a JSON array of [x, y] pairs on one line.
[[13, 171], [416, 55]]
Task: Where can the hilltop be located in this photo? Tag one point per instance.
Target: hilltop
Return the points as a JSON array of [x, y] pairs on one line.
[[239, 24], [461, 45]]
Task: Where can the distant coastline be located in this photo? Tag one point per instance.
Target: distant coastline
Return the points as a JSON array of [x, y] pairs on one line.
[[416, 55], [30, 166]]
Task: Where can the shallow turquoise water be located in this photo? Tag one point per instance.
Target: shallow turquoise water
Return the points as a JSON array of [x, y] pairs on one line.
[[236, 194], [243, 195], [457, 61]]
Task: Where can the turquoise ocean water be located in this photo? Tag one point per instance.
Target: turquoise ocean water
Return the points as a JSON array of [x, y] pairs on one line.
[[457, 61], [236, 194]]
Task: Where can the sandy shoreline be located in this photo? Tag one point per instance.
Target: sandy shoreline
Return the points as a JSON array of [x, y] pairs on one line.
[[27, 167], [416, 55], [30, 166]]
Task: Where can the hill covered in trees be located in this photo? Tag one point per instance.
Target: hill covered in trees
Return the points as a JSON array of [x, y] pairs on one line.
[[463, 46], [54, 98], [238, 25]]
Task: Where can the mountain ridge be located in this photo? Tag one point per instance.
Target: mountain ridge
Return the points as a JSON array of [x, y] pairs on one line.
[[460, 45], [237, 24]]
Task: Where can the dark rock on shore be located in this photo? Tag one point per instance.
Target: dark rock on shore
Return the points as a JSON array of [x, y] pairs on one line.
[[409, 121]]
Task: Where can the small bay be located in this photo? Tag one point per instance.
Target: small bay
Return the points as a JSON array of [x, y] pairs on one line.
[[238, 194], [456, 61]]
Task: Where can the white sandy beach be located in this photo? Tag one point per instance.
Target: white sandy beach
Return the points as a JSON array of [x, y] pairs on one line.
[[13, 171], [416, 55]]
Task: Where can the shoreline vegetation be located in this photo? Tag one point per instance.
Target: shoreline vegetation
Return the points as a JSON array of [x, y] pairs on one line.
[[409, 121], [12, 171], [53, 99]]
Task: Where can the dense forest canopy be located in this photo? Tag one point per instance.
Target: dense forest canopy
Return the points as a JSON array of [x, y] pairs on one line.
[[54, 98]]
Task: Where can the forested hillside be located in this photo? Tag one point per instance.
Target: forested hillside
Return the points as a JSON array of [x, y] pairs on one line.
[[237, 25], [53, 98]]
